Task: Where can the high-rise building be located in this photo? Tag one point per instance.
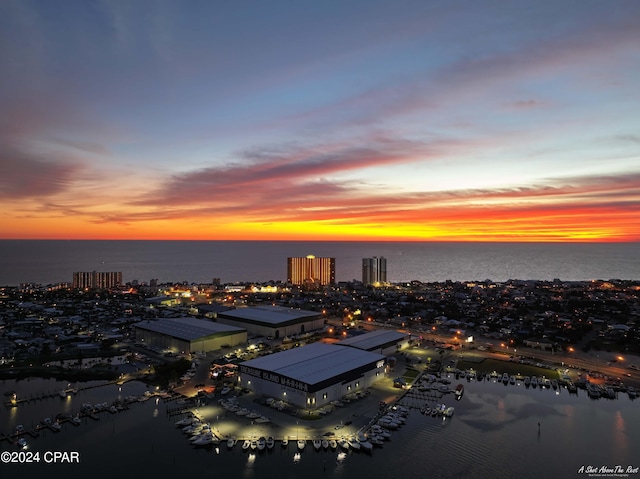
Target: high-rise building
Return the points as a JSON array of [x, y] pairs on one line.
[[311, 271], [97, 279], [374, 270]]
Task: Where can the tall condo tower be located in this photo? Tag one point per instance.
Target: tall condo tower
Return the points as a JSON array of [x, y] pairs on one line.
[[97, 279], [374, 270], [311, 271]]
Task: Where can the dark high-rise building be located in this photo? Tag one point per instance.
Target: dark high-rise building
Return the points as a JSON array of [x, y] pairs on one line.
[[96, 279], [374, 270], [311, 271]]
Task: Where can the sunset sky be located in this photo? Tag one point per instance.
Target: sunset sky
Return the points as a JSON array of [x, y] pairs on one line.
[[356, 120]]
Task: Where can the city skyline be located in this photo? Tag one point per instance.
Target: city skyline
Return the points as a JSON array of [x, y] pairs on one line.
[[420, 121]]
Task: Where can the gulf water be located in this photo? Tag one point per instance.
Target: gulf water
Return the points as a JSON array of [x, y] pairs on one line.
[[237, 261]]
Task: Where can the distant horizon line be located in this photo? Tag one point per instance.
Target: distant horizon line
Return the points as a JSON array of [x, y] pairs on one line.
[[572, 241]]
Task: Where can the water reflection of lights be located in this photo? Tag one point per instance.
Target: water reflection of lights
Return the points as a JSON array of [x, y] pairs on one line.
[[342, 456], [251, 458], [217, 450], [296, 457]]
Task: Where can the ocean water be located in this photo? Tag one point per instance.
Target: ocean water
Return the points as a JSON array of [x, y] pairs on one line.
[[45, 261], [493, 433]]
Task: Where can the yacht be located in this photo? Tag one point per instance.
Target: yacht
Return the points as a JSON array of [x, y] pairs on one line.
[[270, 442], [534, 382], [317, 444], [262, 443], [285, 442], [459, 390], [231, 442], [333, 444], [246, 444], [354, 444], [301, 444], [527, 381], [344, 444], [325, 444]]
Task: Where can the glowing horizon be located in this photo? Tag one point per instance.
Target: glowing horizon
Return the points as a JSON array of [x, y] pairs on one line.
[[420, 122]]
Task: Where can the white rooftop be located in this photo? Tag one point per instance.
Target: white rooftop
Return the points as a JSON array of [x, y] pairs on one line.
[[374, 339], [186, 328], [315, 362], [269, 314]]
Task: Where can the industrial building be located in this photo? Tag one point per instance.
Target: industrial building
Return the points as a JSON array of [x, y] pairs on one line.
[[382, 341], [312, 376], [188, 334], [272, 321]]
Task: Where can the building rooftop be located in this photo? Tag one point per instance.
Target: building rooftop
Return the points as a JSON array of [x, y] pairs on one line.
[[187, 328], [314, 363], [274, 315], [374, 339]]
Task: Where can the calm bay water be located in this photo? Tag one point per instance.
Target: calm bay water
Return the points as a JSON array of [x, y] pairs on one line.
[[493, 433], [200, 261]]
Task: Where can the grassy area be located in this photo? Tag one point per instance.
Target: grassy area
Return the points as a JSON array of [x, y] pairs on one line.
[[410, 374], [512, 368]]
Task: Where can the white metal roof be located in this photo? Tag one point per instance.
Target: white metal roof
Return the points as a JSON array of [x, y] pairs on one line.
[[186, 328], [314, 363], [374, 339], [269, 314]]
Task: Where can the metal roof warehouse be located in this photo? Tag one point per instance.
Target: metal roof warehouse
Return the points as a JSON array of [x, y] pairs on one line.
[[189, 334], [274, 321], [313, 375]]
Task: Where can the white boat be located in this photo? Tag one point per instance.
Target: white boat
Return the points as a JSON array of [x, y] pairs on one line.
[[56, 426], [354, 444], [333, 444], [547, 383], [252, 415], [505, 378], [242, 412], [62, 393], [344, 444], [317, 444], [246, 444], [449, 411], [285, 442], [203, 440], [231, 442], [22, 443], [366, 445], [254, 445], [263, 419], [262, 443], [76, 421], [270, 442], [325, 444], [225, 390], [301, 444]]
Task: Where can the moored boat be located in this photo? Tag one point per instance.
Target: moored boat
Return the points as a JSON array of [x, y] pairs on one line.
[[459, 391]]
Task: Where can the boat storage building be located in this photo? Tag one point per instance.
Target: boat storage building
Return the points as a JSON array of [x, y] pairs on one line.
[[382, 341], [275, 321], [313, 375], [189, 334]]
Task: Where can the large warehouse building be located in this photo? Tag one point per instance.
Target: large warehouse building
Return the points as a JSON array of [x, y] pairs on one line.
[[189, 334], [274, 321], [312, 376], [382, 341]]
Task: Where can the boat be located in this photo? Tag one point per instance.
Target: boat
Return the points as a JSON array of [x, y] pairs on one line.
[[62, 393], [554, 384], [325, 444], [253, 444], [333, 444], [344, 444], [512, 380], [354, 443], [631, 391], [534, 382], [270, 442], [231, 442], [301, 444], [527, 381], [261, 443], [203, 440], [285, 442], [242, 412], [22, 443], [505, 378], [225, 390], [547, 383], [55, 426], [76, 421], [317, 444], [246, 444], [449, 411], [262, 419], [459, 390]]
